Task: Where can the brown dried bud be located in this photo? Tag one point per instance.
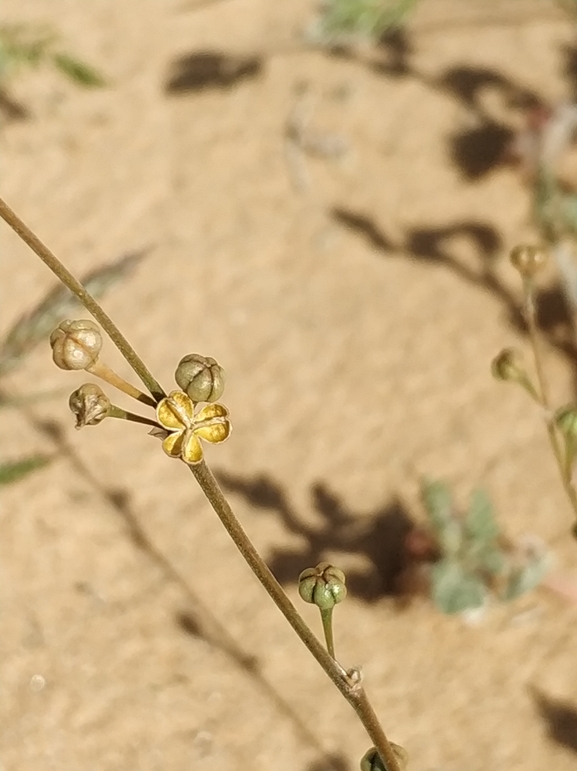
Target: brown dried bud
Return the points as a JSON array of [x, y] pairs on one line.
[[200, 377], [76, 344], [528, 260], [89, 404]]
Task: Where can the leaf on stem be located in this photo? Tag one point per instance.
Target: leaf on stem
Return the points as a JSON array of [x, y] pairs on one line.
[[454, 590]]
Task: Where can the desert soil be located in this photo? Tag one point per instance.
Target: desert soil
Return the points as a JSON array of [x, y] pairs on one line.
[[339, 281]]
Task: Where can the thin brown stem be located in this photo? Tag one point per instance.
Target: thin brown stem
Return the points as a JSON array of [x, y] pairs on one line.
[[42, 251], [561, 458], [103, 371], [354, 694], [118, 412]]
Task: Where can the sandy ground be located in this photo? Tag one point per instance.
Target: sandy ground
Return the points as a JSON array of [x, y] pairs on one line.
[[344, 296]]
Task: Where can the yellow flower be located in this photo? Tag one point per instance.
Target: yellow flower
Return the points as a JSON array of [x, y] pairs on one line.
[[175, 413]]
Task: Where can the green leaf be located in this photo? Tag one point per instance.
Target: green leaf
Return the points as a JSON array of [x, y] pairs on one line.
[[453, 589], [490, 560], [12, 471], [437, 499], [523, 579], [79, 72], [480, 523]]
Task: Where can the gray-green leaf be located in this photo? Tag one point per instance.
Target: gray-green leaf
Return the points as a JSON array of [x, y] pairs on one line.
[[524, 578], [480, 523], [437, 499], [453, 589]]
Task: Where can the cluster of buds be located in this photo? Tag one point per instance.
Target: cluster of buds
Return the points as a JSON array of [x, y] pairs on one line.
[[77, 344]]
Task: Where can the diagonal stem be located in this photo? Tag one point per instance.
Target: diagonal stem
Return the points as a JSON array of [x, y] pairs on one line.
[[561, 456], [354, 694], [42, 251]]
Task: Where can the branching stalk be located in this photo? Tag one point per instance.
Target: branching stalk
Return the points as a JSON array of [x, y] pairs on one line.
[[564, 463], [352, 690], [354, 694], [42, 251]]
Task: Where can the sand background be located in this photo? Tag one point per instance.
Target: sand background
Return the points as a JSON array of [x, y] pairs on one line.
[[345, 298]]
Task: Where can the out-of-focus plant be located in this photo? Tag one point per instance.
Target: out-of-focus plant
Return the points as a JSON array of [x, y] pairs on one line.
[[364, 20], [24, 46], [471, 561]]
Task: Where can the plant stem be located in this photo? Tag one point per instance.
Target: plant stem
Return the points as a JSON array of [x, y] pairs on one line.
[[103, 371], [42, 251], [354, 694], [327, 621], [563, 462], [118, 412]]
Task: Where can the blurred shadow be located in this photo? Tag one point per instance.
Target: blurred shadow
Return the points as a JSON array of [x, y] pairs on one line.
[[11, 109], [555, 317], [396, 47], [365, 227], [208, 69], [479, 150], [198, 620], [560, 718], [570, 70], [379, 538], [330, 763]]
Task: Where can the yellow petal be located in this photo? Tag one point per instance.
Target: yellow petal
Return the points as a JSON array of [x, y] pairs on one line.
[[191, 449], [175, 411], [212, 411], [172, 444], [214, 432]]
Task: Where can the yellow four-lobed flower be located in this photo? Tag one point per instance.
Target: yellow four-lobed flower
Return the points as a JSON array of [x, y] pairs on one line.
[[185, 429]]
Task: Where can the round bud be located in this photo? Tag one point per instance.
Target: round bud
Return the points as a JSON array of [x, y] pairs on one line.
[[89, 404], [323, 586], [76, 344], [371, 760], [527, 259], [201, 377]]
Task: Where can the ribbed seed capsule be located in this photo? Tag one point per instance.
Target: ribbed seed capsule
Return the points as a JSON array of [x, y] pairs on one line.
[[200, 377], [323, 586], [76, 344], [89, 404], [371, 760]]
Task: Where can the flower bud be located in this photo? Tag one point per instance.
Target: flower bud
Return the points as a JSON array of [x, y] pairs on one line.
[[201, 377], [371, 760], [76, 344], [508, 366], [528, 260], [89, 404], [323, 586]]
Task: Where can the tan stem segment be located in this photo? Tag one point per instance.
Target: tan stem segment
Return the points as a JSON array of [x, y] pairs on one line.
[[41, 250], [103, 371], [353, 693]]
